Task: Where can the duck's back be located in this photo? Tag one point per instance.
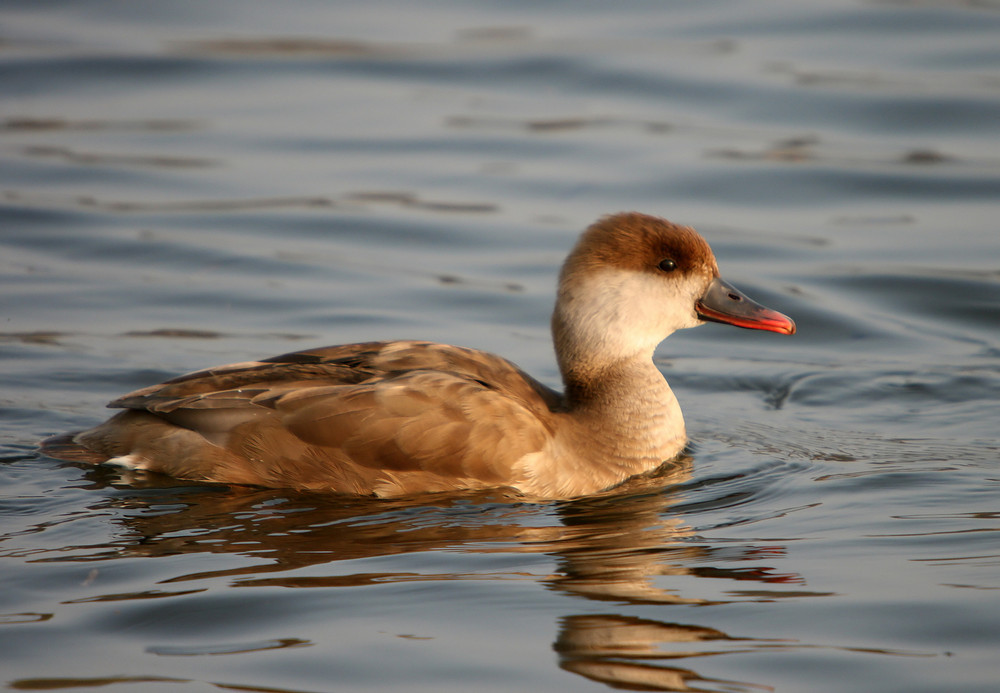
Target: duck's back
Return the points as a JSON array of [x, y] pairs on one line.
[[384, 418]]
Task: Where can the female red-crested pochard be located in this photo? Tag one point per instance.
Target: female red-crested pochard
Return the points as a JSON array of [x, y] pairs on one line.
[[403, 417]]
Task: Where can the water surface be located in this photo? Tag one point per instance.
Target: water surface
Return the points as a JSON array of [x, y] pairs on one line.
[[186, 184]]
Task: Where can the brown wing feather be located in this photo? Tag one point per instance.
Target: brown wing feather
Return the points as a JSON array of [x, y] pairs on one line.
[[337, 365], [421, 430], [381, 417], [435, 421], [401, 356]]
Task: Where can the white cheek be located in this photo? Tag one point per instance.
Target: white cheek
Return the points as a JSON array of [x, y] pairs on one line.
[[661, 304], [625, 312]]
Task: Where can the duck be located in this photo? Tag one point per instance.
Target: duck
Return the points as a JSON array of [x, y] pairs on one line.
[[398, 418]]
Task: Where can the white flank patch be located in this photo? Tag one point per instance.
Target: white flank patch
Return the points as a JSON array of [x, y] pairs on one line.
[[129, 461]]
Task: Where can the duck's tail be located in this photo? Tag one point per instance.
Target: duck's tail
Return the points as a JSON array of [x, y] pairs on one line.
[[65, 447]]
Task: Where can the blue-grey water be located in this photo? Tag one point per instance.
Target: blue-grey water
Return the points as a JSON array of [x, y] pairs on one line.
[[184, 184]]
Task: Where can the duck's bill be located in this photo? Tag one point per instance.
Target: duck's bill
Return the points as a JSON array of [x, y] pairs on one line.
[[723, 302]]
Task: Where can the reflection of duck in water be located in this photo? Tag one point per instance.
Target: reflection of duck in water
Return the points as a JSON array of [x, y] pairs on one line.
[[614, 554], [394, 418]]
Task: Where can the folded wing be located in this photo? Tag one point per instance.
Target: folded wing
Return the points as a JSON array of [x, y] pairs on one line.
[[386, 418]]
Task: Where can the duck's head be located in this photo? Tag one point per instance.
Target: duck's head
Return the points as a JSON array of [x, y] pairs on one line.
[[633, 279]]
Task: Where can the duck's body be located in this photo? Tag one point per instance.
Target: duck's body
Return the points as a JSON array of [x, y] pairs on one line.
[[402, 417]]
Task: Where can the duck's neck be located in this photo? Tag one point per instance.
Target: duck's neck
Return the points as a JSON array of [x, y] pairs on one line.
[[624, 413], [627, 414]]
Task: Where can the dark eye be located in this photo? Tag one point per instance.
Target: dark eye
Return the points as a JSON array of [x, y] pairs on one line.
[[667, 265]]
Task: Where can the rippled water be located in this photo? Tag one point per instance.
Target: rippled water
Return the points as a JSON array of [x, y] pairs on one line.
[[188, 183]]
